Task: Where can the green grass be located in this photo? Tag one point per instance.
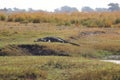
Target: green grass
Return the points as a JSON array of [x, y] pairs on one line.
[[82, 64], [52, 68], [90, 46]]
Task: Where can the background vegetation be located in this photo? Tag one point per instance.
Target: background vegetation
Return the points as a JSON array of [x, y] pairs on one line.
[[93, 19]]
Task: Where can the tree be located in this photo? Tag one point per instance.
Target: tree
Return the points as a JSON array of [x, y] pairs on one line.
[[113, 7], [87, 9], [66, 9], [101, 10]]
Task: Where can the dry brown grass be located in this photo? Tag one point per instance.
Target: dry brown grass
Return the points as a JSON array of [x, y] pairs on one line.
[[106, 19]]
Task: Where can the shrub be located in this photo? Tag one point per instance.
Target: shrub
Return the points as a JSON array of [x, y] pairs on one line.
[[10, 19], [36, 20], [67, 24], [117, 21], [2, 17], [89, 22], [19, 19]]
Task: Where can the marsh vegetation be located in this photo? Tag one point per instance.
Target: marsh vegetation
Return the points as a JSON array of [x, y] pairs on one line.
[[98, 35]]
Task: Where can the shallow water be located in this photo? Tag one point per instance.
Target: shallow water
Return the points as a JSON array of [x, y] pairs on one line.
[[113, 61]]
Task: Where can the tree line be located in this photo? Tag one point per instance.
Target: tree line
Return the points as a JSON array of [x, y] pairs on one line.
[[112, 7]]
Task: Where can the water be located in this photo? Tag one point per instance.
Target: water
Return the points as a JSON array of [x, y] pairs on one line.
[[113, 61]]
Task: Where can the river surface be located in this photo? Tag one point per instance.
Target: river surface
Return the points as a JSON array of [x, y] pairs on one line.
[[113, 61]]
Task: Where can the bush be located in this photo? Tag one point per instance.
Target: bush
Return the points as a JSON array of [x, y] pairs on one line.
[[2, 17], [90, 22], [19, 19], [117, 21], [67, 24], [36, 20], [10, 19]]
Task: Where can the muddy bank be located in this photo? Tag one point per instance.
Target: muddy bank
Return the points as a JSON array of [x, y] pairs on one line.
[[113, 57], [27, 49], [94, 32]]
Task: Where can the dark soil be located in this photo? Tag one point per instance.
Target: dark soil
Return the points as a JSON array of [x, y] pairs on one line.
[[20, 50]]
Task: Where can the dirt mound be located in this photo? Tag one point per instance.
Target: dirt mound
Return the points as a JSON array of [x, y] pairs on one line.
[[20, 50], [86, 34], [90, 33]]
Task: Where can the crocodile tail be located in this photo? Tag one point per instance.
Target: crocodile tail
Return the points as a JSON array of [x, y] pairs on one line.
[[74, 44]]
